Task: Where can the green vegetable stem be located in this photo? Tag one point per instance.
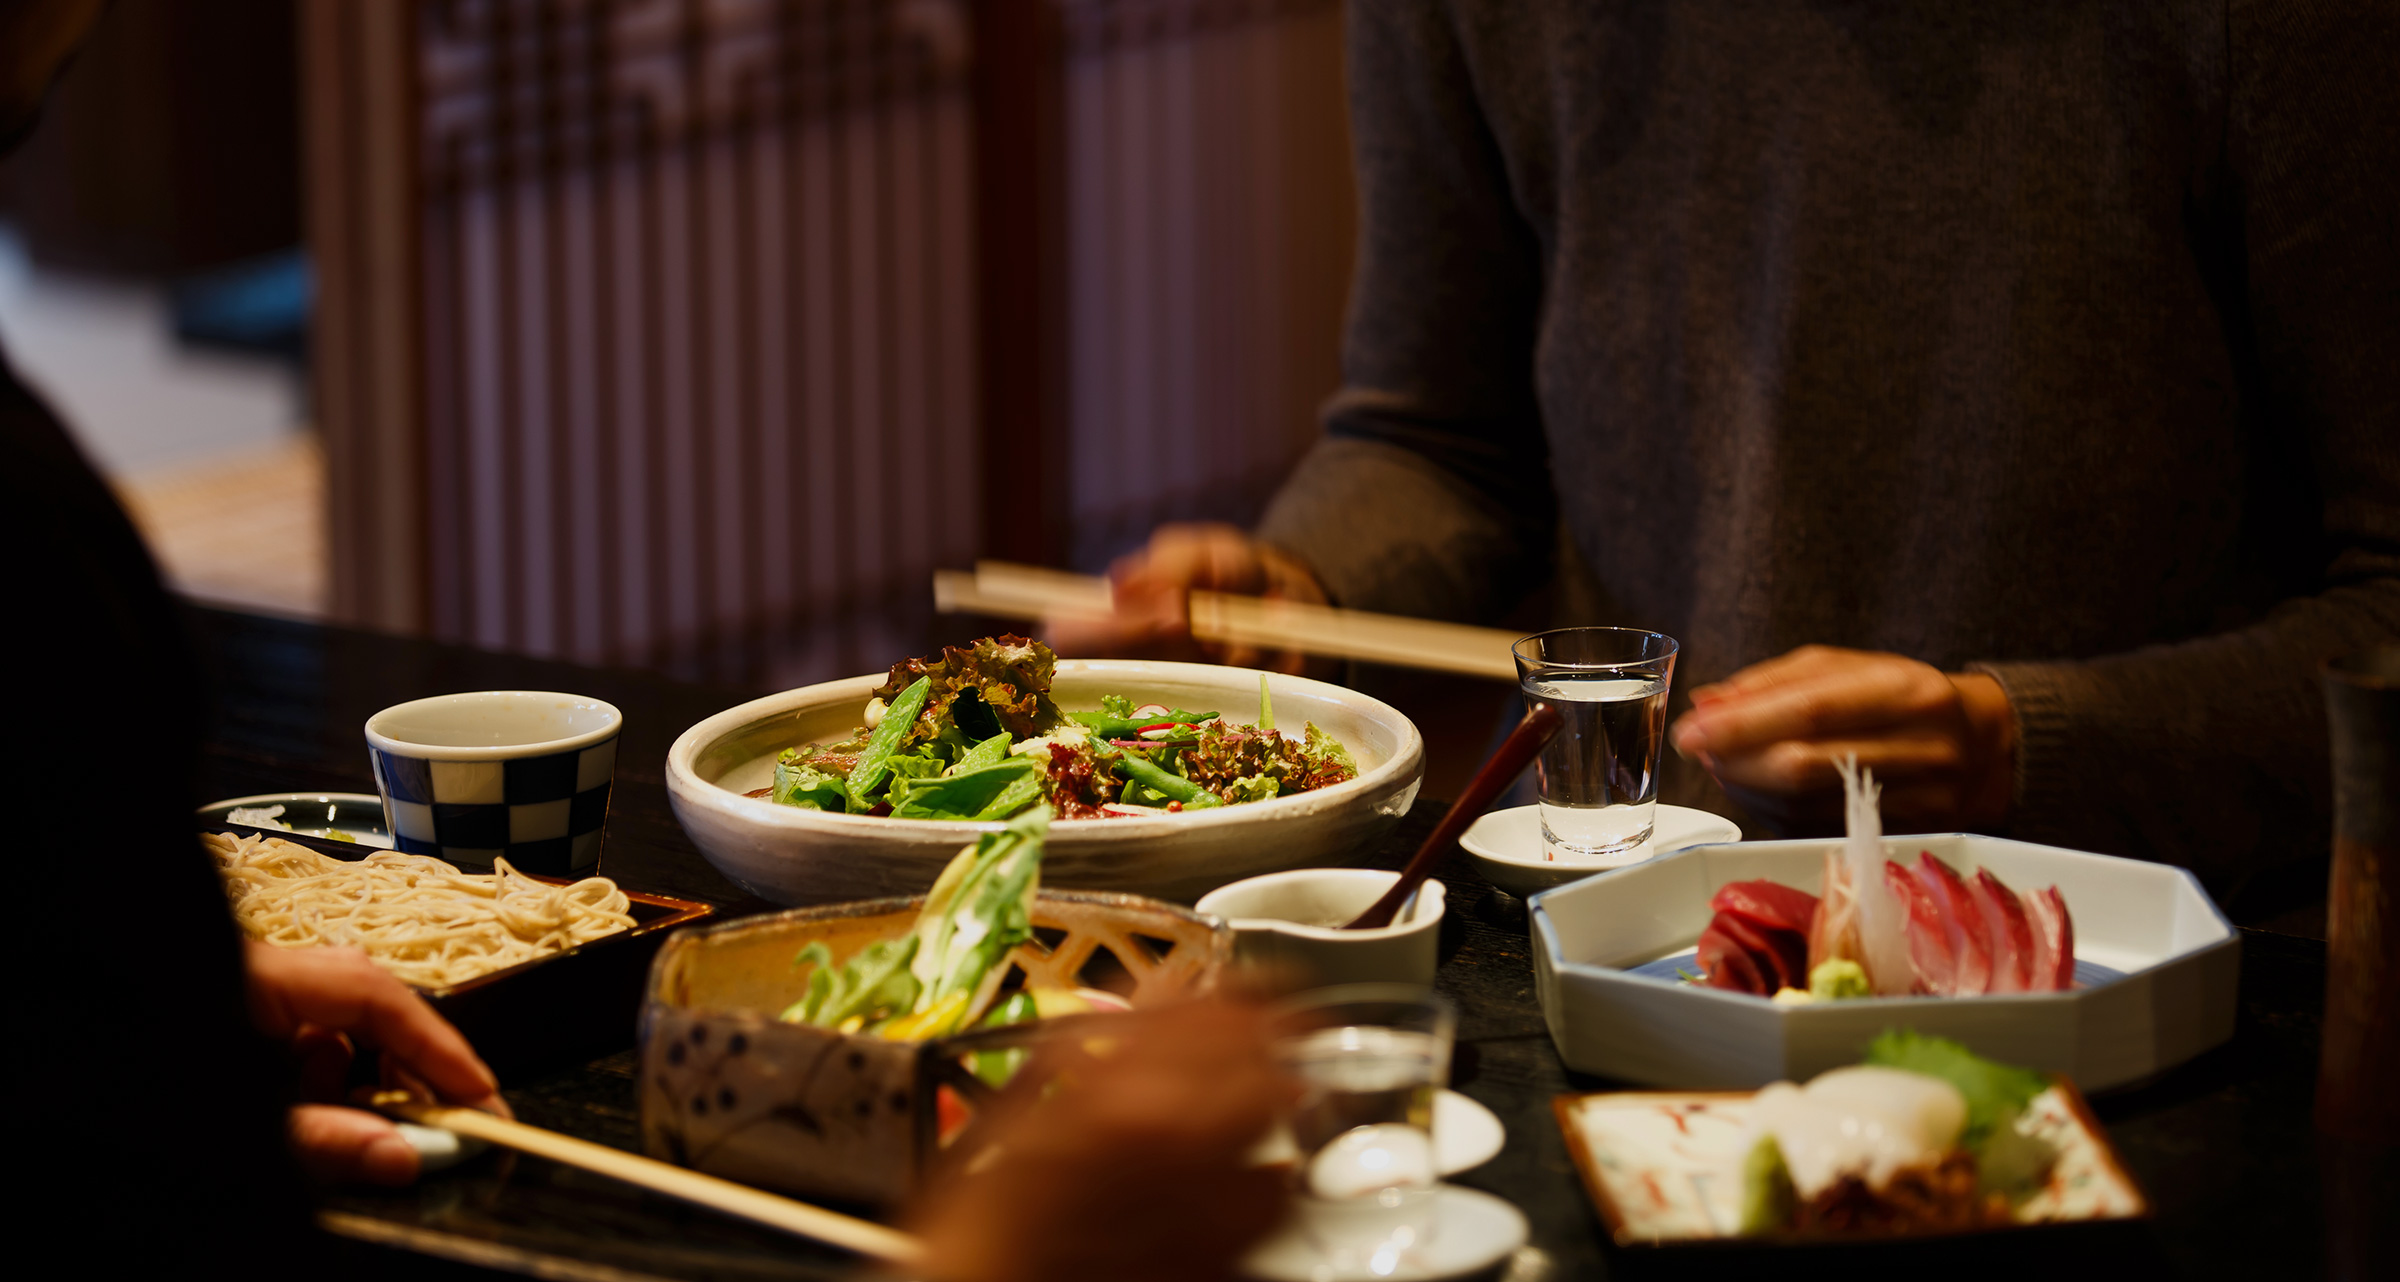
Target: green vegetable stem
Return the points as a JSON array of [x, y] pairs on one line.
[[1167, 784], [874, 764]]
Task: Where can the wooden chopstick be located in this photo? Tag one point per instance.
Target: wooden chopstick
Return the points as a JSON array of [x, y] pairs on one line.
[[852, 1234], [1030, 592]]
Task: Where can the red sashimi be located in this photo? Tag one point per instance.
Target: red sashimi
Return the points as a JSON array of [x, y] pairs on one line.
[[1727, 965], [2054, 941], [1928, 938], [2012, 935], [1962, 922], [1768, 903], [1781, 955]]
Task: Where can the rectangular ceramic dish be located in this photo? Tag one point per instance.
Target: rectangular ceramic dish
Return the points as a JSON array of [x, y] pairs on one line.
[[565, 1008], [2157, 966], [1663, 1167]]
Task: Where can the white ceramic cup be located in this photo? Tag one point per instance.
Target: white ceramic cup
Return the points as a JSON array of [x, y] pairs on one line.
[[1279, 922], [517, 774]]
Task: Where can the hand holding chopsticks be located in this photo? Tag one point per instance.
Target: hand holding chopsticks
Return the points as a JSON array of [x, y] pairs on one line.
[[1030, 592]]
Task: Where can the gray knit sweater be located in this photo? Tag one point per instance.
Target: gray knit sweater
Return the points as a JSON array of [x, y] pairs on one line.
[[2057, 338]]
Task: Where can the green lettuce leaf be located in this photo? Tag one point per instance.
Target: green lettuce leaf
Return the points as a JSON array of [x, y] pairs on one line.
[[980, 908], [971, 794], [800, 783]]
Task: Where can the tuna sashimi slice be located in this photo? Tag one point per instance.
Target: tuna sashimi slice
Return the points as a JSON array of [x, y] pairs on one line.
[[1970, 941], [1928, 936], [2053, 941], [2012, 935], [1781, 955], [1727, 965], [1768, 903]]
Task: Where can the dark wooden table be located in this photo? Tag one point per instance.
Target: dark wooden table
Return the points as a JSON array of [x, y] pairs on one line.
[[2222, 1145]]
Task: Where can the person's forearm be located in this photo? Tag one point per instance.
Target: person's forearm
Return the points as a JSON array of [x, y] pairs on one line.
[[2209, 753]]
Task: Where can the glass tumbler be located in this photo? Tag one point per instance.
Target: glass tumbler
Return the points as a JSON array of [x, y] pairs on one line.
[[1369, 1058], [1598, 780]]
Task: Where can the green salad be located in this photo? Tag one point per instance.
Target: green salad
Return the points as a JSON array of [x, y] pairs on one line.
[[974, 736]]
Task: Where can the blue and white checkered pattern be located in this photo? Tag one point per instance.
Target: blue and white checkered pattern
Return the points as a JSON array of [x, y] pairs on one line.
[[543, 813]]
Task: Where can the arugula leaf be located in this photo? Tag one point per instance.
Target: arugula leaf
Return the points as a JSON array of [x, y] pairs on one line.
[[1995, 1092]]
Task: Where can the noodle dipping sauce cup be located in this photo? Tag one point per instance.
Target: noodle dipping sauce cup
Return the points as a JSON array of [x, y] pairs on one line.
[[1292, 922], [520, 774]]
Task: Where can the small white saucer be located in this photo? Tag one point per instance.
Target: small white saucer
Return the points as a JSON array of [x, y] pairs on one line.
[[1465, 1135], [356, 816], [1507, 845], [1472, 1231]]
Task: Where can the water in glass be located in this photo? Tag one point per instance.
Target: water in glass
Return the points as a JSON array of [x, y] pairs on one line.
[[1599, 778]]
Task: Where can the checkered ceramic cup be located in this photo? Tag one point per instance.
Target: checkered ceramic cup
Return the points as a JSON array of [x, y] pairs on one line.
[[518, 773]]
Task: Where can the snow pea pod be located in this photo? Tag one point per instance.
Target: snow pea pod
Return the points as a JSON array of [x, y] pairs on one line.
[[866, 778]]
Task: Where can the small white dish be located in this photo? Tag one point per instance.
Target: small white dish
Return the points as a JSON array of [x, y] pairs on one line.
[[1473, 1231], [1465, 1135], [1507, 845], [1277, 918], [357, 816]]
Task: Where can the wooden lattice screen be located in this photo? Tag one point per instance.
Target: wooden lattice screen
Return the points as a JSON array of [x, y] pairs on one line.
[[696, 333]]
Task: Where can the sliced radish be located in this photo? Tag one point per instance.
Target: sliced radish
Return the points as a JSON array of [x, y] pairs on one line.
[[1962, 922], [1152, 710], [2012, 935], [1928, 936], [1121, 810]]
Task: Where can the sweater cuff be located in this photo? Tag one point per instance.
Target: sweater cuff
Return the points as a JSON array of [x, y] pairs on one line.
[[2042, 699]]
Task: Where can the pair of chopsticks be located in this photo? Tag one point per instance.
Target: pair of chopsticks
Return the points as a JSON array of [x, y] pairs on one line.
[[1007, 591], [848, 1232]]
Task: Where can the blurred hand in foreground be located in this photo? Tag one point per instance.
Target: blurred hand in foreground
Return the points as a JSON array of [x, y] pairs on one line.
[[1153, 598], [1943, 744], [1133, 1163], [325, 1003]]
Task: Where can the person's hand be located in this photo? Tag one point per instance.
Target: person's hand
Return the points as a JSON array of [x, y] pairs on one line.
[[1943, 745], [324, 1003], [1132, 1164], [1153, 598]]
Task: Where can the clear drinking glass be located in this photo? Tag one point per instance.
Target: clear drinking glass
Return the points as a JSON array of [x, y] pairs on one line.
[[1369, 1058], [1598, 779]]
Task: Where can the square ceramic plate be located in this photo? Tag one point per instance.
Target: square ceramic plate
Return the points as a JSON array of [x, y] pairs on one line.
[[563, 1008], [2158, 963], [1665, 1167]]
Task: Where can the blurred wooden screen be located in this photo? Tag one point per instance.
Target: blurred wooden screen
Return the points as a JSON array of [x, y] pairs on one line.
[[653, 332]]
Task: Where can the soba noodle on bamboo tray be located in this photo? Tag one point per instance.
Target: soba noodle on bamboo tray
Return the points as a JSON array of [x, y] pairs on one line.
[[418, 917]]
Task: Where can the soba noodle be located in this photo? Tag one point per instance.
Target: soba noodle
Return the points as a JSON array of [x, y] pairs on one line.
[[418, 917]]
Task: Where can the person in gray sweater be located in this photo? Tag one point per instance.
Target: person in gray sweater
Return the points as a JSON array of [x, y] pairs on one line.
[[2009, 394]]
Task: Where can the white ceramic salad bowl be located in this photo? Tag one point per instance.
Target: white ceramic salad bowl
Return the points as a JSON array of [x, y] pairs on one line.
[[798, 856]]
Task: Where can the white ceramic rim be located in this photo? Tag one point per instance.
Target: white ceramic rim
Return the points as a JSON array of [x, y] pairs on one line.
[[1491, 855], [1407, 758], [494, 752], [286, 798], [1551, 949], [1430, 906]]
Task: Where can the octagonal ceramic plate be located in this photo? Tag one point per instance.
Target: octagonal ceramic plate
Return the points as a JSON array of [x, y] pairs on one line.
[[2157, 967]]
